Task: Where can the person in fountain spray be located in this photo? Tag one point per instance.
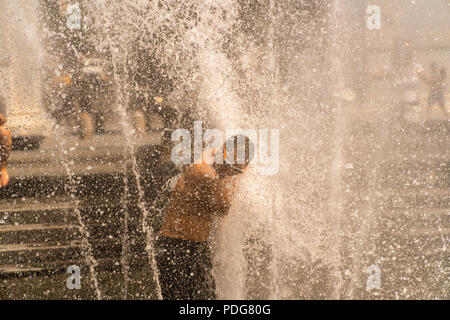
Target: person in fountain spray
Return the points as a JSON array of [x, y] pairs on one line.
[[436, 81], [202, 192], [5, 149]]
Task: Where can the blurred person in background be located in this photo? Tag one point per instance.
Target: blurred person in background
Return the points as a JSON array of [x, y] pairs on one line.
[[405, 80], [2, 105], [436, 81], [5, 148]]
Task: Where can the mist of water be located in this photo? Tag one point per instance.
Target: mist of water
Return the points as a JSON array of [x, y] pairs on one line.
[[277, 224], [290, 235]]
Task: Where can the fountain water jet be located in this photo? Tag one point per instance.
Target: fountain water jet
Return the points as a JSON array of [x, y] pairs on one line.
[[25, 52], [312, 229], [119, 59]]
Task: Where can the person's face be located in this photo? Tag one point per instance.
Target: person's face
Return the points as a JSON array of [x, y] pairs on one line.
[[230, 169]]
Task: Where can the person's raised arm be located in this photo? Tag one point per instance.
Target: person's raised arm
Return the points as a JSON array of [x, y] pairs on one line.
[[5, 150], [222, 195]]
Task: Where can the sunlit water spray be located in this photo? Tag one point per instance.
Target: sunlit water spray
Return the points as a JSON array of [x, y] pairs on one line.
[[86, 247], [277, 224], [118, 40], [25, 55], [285, 236], [21, 59]]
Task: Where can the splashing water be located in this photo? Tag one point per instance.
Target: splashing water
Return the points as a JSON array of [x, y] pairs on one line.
[[119, 56], [302, 232], [25, 53], [271, 224], [86, 247]]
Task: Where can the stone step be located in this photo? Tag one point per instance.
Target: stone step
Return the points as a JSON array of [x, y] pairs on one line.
[[414, 242], [444, 233], [48, 187], [112, 264], [401, 175], [416, 218], [64, 213], [402, 234], [35, 233], [61, 213], [419, 198], [403, 258], [54, 256], [415, 174], [49, 252], [37, 212], [19, 270], [100, 155], [38, 253]]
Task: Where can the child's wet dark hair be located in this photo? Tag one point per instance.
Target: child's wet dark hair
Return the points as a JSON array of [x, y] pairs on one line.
[[234, 167], [235, 141]]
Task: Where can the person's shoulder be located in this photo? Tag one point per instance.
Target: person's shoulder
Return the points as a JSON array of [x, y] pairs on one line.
[[201, 170]]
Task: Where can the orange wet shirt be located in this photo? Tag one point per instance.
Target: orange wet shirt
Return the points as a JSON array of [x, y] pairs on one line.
[[198, 197]]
